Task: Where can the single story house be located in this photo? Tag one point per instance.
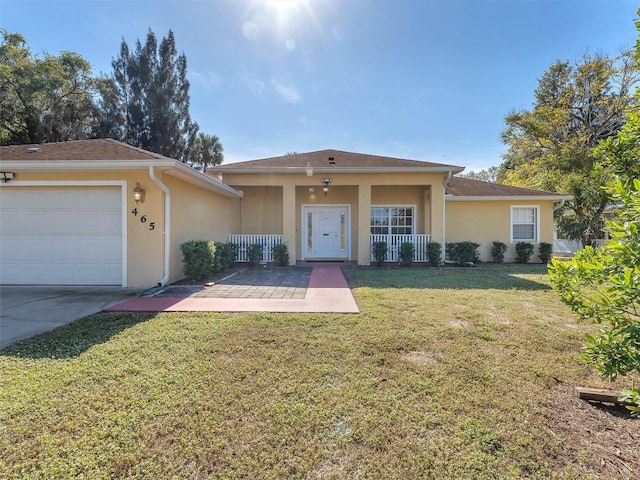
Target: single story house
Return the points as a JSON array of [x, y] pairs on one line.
[[103, 212]]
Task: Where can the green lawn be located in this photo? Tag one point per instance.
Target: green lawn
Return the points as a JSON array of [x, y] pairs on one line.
[[443, 375]]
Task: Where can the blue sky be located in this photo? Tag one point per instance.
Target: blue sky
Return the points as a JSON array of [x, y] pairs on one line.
[[424, 79]]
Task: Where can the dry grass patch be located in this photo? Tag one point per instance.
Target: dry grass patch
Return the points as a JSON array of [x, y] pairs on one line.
[[395, 392]]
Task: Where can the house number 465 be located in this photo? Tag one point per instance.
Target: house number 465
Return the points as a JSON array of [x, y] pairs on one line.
[[143, 219]]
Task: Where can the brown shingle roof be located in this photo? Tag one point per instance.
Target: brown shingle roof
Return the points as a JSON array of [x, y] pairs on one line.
[[466, 187], [99, 149], [342, 160]]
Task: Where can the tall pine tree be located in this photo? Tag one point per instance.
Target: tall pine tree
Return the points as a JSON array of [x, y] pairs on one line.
[[150, 109]]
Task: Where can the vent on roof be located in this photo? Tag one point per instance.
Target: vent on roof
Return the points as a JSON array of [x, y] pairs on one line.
[[32, 149], [332, 161]]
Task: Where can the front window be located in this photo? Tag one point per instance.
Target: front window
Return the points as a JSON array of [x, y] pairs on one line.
[[392, 220], [524, 224]]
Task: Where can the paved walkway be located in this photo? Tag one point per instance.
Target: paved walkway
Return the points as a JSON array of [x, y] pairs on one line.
[[261, 282], [257, 290]]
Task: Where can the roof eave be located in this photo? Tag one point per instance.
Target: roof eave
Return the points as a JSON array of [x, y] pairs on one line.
[[171, 167], [184, 172], [493, 198], [82, 165], [336, 170]]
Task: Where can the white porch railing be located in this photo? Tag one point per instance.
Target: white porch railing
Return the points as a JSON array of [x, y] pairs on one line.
[[419, 240], [267, 242]]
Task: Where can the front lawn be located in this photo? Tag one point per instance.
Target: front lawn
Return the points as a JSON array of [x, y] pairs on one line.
[[452, 373]]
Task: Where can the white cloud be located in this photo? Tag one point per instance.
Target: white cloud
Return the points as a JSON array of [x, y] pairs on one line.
[[208, 79], [253, 84], [289, 93]]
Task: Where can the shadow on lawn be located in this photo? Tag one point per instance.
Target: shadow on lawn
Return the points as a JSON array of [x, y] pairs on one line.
[[483, 277], [75, 338]]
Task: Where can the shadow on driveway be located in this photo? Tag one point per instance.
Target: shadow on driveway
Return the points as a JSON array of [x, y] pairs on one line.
[[26, 311]]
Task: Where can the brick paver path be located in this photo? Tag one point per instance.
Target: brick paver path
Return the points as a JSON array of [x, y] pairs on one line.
[[258, 282]]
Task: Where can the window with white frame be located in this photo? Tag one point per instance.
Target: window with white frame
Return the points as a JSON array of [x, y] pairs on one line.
[[392, 220], [525, 223]]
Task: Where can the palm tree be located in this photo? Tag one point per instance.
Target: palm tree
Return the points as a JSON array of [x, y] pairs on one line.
[[206, 151]]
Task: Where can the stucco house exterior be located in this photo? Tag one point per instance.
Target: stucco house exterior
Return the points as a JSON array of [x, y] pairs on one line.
[[103, 212], [69, 216], [331, 205]]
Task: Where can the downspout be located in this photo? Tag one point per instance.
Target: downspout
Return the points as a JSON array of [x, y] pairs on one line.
[[241, 214], [167, 226]]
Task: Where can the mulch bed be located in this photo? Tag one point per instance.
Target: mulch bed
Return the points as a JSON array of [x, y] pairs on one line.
[[603, 436]]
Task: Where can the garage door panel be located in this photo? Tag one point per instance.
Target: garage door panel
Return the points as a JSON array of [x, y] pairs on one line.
[[61, 236]]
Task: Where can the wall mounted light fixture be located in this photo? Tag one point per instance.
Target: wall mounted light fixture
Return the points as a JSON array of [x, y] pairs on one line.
[[309, 170], [6, 176], [138, 193], [326, 181]]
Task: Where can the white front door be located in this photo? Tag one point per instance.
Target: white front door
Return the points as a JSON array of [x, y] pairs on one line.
[[326, 232]]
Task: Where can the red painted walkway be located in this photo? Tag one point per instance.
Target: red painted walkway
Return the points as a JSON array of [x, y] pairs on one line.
[[328, 292]]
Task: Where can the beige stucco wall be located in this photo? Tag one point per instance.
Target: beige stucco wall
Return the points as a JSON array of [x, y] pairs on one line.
[[265, 211], [196, 213], [261, 210], [484, 222]]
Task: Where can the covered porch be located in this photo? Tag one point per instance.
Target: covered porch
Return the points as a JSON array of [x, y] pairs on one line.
[[342, 223]]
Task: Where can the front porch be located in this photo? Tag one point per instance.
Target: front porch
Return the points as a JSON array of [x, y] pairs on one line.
[[341, 223]]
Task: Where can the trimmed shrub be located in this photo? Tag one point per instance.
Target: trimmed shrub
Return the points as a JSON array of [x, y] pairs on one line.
[[198, 258], [497, 251], [254, 254], [434, 252], [380, 252], [524, 250], [225, 256], [545, 251], [406, 253], [281, 254], [463, 253]]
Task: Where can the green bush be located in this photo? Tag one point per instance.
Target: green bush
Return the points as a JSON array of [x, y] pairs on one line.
[[545, 252], [380, 252], [497, 251], [225, 256], [434, 253], [463, 253], [254, 254], [406, 253], [198, 258], [524, 250], [281, 254]]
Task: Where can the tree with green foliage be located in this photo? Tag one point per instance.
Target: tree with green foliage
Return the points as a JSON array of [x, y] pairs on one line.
[[151, 108], [551, 145], [490, 175], [603, 285], [44, 99], [206, 151]]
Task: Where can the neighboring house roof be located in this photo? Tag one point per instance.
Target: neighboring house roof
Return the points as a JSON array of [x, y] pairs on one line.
[[325, 161], [459, 188], [101, 155]]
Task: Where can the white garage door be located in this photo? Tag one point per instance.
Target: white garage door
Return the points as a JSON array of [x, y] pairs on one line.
[[61, 236]]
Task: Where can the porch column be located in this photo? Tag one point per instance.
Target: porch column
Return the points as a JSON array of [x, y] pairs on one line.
[[289, 220], [364, 224], [438, 214]]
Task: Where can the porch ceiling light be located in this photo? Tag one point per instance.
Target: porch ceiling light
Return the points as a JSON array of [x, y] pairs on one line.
[[138, 193], [326, 181], [309, 170]]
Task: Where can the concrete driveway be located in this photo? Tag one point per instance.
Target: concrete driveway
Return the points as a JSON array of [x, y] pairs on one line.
[[26, 311]]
